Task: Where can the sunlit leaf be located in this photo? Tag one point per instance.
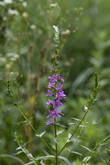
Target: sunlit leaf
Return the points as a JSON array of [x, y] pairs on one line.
[[40, 135]]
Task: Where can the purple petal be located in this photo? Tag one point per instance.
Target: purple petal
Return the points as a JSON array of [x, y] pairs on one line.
[[49, 122], [49, 93], [51, 85], [49, 102], [59, 87]]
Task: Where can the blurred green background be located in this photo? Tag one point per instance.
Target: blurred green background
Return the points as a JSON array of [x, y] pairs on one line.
[[26, 50]]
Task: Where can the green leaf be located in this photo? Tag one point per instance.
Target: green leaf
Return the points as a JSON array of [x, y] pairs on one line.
[[41, 134], [12, 157], [86, 159]]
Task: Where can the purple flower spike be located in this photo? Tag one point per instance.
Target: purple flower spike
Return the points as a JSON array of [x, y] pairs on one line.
[[55, 91]]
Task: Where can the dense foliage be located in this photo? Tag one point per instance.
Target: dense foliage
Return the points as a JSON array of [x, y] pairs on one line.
[[27, 51]]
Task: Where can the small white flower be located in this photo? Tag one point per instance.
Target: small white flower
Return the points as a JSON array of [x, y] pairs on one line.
[[13, 12], [25, 15], [25, 4], [8, 66], [53, 5], [7, 1], [66, 32], [32, 27], [2, 3], [85, 108], [56, 28], [13, 55], [2, 60]]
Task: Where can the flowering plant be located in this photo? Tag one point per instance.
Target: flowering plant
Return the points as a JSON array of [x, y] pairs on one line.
[[56, 96]]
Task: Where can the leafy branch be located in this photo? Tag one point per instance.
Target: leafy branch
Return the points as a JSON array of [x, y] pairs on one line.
[[91, 102]]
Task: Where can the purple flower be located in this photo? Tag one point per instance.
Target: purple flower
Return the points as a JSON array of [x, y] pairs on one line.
[[50, 102], [59, 87], [54, 113], [49, 93], [60, 95], [53, 78], [59, 77], [49, 122], [55, 91], [62, 79], [58, 103], [51, 85]]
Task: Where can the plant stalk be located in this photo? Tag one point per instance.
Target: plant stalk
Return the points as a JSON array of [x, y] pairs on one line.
[[55, 129]]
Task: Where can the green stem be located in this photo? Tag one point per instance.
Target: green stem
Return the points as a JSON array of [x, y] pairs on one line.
[[55, 129], [73, 133]]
